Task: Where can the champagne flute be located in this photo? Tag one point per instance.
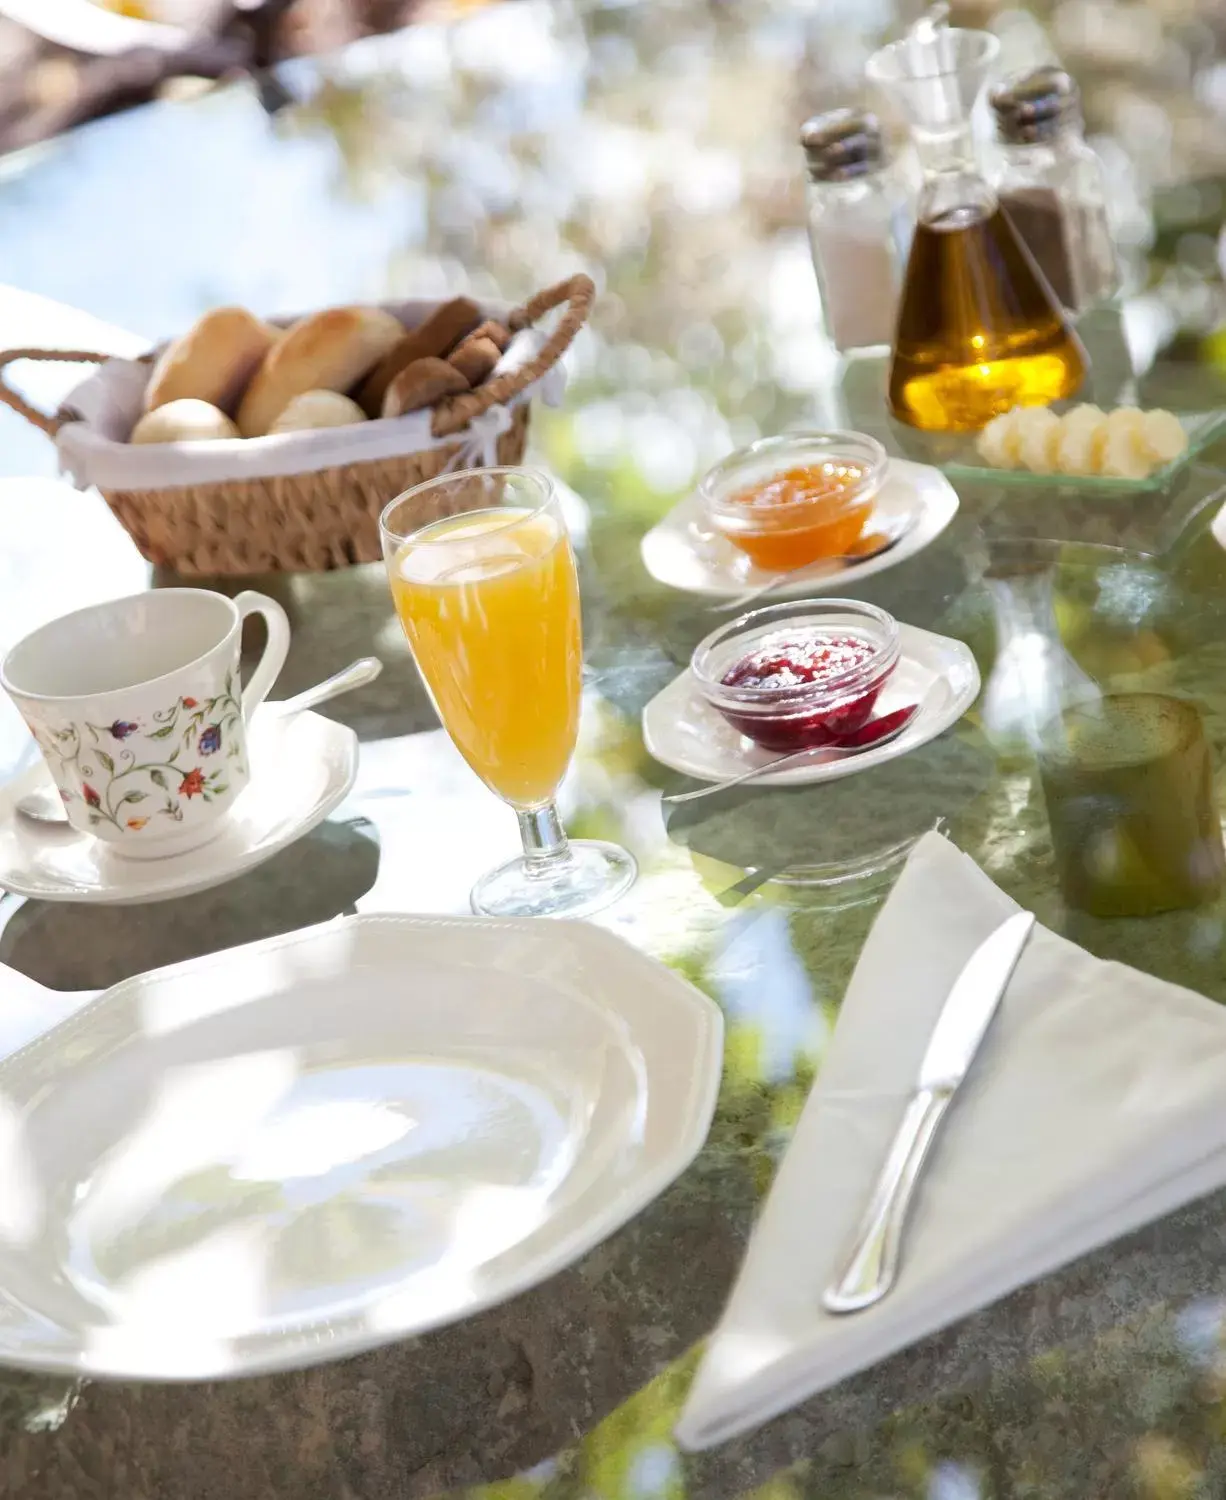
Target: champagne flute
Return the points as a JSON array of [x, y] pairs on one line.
[[489, 601]]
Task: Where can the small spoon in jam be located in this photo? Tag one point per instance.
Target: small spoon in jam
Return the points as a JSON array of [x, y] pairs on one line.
[[871, 544], [878, 731]]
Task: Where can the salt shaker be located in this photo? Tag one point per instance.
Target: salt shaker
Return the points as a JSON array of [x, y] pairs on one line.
[[1051, 185], [860, 224]]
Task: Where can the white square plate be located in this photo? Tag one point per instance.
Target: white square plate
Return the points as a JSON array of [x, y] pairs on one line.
[[296, 1150]]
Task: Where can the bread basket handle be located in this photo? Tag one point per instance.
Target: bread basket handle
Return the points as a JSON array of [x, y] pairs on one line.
[[456, 412], [49, 425]]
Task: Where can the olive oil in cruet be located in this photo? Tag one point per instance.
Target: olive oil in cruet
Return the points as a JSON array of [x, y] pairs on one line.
[[979, 329]]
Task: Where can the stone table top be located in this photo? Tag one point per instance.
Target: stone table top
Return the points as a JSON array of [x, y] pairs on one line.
[[654, 146]]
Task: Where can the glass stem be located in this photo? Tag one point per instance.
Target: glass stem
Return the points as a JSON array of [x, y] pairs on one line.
[[544, 840]]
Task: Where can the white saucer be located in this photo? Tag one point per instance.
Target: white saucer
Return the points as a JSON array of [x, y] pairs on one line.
[[326, 1141], [301, 767], [681, 729], [680, 553]]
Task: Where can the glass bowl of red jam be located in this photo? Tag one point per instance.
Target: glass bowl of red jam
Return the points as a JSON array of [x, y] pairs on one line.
[[786, 502], [798, 675]]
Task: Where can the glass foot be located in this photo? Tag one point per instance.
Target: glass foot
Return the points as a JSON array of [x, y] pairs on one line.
[[589, 876]]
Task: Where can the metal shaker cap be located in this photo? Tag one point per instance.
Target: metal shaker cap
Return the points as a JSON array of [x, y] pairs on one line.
[[842, 144], [1035, 106]]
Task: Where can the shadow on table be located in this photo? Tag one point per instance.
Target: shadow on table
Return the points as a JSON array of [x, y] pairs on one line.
[[71, 947], [841, 831]]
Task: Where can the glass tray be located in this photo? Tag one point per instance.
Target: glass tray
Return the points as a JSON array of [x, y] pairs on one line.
[[1202, 427]]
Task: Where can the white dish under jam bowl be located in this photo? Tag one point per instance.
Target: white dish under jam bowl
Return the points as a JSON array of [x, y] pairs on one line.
[[684, 730], [914, 504]]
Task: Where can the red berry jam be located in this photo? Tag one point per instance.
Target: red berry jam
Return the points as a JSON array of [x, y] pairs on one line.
[[792, 662]]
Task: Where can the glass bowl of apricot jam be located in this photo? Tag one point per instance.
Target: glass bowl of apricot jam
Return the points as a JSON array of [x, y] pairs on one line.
[[798, 675], [789, 501]]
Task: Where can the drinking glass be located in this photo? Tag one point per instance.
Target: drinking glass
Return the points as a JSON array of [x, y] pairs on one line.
[[489, 601], [1128, 782]]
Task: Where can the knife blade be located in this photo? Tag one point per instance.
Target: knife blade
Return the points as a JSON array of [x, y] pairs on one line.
[[871, 1266]]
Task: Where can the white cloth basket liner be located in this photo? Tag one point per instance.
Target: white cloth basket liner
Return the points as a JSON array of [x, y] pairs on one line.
[[93, 448]]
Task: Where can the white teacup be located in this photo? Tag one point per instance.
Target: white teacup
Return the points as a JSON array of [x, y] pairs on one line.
[[137, 709]]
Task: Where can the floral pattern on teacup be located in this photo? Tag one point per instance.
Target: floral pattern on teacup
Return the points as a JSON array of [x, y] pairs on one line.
[[128, 789]]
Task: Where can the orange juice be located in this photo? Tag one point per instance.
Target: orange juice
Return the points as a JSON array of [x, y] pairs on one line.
[[490, 604]]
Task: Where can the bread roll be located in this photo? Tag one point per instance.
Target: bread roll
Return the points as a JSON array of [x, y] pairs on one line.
[[494, 331], [475, 358], [328, 351], [433, 339], [212, 361], [318, 409], [184, 421], [422, 384]]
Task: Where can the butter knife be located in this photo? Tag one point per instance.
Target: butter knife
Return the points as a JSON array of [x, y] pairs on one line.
[[872, 1263]]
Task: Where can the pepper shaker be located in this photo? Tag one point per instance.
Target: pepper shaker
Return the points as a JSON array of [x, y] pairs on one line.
[[1051, 185]]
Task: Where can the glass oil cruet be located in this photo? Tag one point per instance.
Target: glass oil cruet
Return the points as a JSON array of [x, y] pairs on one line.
[[979, 329]]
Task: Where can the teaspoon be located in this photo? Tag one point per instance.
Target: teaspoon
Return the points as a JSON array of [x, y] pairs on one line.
[[888, 727], [875, 545]]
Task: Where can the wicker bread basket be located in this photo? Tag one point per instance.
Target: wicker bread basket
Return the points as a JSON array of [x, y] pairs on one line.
[[311, 508]]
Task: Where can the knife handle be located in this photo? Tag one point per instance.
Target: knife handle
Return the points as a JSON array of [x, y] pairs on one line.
[[870, 1268]]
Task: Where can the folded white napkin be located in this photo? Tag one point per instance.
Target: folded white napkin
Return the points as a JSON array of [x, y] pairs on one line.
[[1097, 1102]]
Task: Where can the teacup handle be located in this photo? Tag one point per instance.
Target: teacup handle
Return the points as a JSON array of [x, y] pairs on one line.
[[269, 669]]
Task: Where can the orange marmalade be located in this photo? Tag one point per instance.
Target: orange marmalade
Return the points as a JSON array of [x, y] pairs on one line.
[[798, 515]]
